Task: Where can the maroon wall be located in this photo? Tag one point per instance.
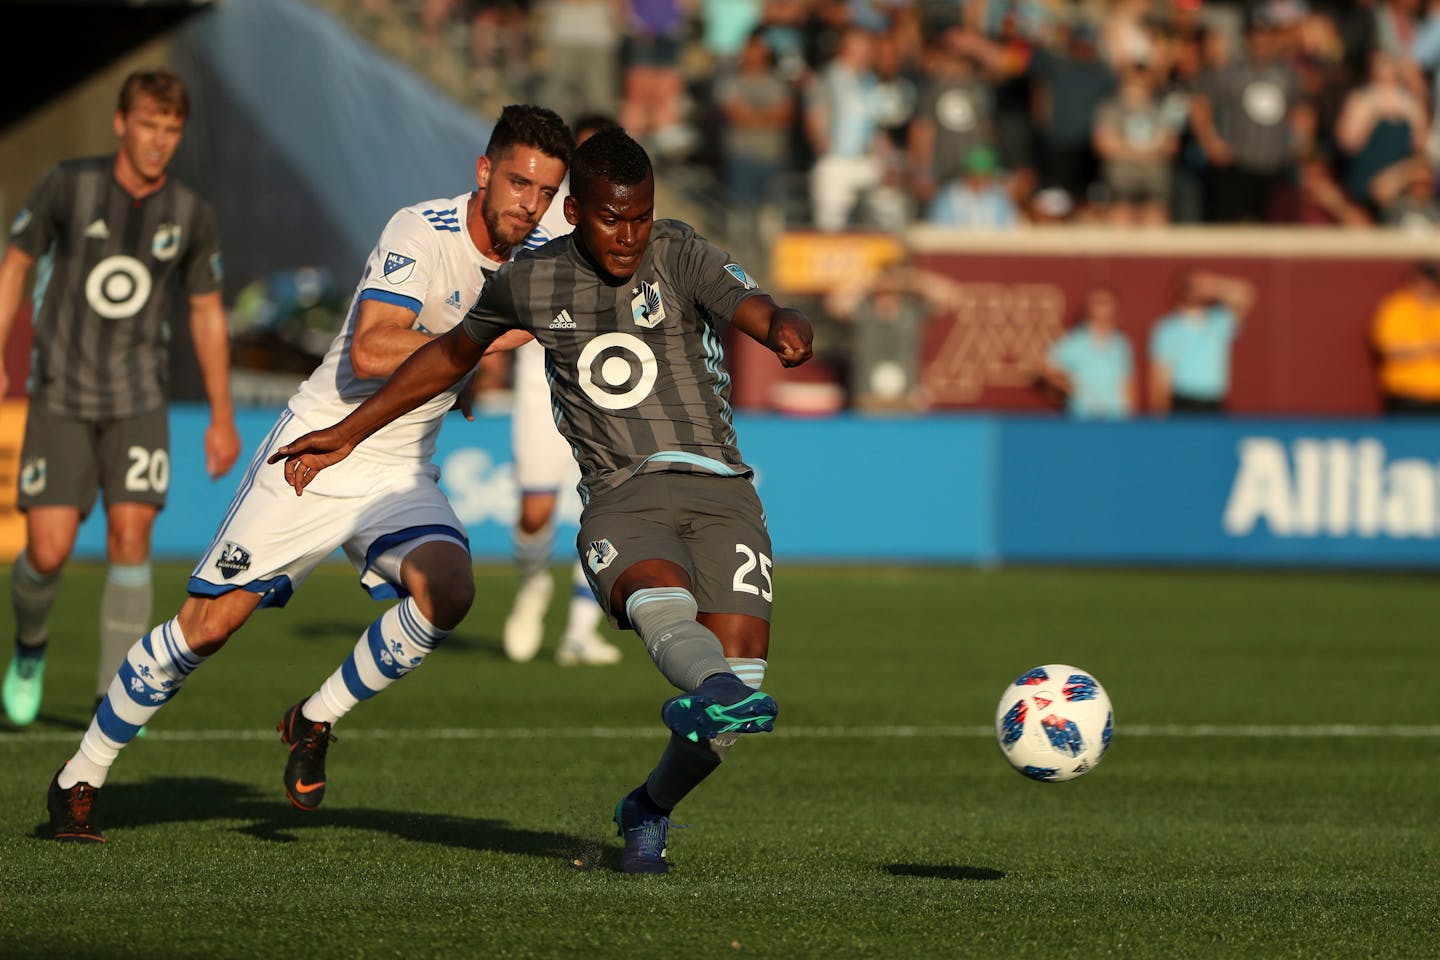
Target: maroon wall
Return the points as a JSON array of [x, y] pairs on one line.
[[1302, 350]]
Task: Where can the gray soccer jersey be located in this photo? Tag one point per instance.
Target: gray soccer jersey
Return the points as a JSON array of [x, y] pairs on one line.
[[109, 268], [637, 371]]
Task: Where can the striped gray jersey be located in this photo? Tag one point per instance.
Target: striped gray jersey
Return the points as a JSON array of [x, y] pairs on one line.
[[111, 271], [637, 371]]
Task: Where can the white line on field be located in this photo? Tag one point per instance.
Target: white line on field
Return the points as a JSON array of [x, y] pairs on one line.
[[1256, 731]]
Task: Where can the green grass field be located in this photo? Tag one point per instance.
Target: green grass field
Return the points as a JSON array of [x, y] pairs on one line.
[[1272, 789]]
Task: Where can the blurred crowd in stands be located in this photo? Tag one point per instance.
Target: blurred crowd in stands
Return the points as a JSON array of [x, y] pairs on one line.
[[884, 113]]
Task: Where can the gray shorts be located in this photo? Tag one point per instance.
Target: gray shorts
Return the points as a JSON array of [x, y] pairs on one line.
[[65, 460], [714, 527]]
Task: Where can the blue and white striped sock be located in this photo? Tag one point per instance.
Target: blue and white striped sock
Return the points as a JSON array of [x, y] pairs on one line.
[[393, 645], [152, 672]]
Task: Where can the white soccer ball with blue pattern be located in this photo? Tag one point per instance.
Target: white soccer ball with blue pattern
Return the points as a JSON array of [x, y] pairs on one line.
[[1054, 723]]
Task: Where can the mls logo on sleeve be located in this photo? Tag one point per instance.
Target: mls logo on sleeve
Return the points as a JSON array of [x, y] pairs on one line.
[[647, 308], [738, 272], [398, 268], [167, 242], [22, 220]]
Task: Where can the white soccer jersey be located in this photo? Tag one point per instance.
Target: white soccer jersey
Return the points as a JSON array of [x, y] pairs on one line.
[[425, 261], [543, 461]]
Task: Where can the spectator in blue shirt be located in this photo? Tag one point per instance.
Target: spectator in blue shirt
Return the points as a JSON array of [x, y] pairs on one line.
[[978, 200], [1093, 364], [1190, 346]]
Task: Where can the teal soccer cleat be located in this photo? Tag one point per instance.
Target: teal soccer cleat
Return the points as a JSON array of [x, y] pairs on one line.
[[24, 686], [645, 830], [721, 704]]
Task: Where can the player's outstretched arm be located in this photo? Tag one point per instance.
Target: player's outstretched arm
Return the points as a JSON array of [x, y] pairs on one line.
[[784, 330], [436, 366]]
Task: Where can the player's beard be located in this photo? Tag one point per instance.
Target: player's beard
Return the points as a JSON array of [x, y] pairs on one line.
[[505, 233]]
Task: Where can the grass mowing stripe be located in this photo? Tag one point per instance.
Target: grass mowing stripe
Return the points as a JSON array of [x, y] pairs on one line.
[[1257, 731]]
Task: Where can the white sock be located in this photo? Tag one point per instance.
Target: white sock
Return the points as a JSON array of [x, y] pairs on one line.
[[532, 550], [585, 613], [391, 647], [154, 668]]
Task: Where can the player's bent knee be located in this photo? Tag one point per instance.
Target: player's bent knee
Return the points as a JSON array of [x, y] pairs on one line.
[[443, 586], [208, 622], [46, 555]]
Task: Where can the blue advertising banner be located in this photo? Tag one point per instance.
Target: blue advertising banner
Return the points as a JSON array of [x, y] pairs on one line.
[[1220, 491], [977, 490], [834, 489]]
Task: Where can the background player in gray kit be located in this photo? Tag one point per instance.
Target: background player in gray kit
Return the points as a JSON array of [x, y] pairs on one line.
[[672, 535], [118, 239]]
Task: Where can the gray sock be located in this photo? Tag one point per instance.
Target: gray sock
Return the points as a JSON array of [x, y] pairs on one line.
[[124, 618], [32, 594], [685, 652]]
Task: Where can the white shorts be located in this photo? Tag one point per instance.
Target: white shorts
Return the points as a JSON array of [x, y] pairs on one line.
[[543, 461], [270, 539]]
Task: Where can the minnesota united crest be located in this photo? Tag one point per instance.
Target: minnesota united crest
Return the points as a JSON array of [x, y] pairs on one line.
[[647, 308], [600, 554]]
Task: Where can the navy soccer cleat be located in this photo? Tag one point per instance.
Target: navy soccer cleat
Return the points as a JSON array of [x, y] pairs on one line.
[[645, 829], [721, 704], [73, 813], [305, 770]]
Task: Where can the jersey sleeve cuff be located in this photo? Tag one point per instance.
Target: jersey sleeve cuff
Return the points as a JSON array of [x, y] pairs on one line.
[[397, 299]]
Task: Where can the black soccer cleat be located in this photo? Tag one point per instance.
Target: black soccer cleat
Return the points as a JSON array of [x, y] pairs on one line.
[[644, 828], [73, 814], [305, 770]]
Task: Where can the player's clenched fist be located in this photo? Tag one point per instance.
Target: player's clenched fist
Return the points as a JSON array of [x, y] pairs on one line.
[[306, 456], [791, 337]]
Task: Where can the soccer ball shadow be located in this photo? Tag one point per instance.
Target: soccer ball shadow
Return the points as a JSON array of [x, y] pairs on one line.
[[935, 871]]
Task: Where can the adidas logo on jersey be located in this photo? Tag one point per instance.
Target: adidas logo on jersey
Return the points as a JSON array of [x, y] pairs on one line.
[[98, 231], [444, 219], [563, 321], [453, 300]]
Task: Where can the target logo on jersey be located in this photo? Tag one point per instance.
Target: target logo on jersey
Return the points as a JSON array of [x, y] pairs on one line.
[[617, 371], [118, 287]]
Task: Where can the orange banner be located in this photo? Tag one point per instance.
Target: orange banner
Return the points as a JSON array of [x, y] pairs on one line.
[[12, 435]]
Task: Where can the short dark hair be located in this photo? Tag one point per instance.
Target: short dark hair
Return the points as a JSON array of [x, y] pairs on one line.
[[523, 125], [590, 124], [610, 155], [161, 85]]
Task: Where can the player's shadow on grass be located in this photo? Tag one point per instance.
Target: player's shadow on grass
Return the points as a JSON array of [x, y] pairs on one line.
[[936, 871], [53, 721], [269, 817]]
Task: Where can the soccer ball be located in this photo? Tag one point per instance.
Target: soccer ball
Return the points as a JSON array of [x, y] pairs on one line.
[[1054, 723]]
